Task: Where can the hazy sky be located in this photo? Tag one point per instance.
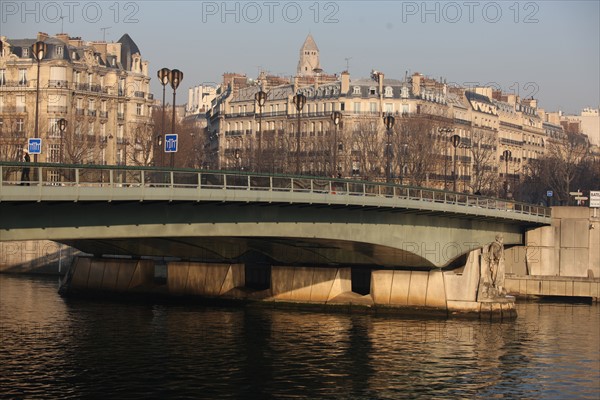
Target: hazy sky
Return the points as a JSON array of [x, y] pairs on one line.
[[546, 49]]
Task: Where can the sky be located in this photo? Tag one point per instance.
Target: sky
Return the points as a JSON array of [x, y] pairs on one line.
[[549, 50]]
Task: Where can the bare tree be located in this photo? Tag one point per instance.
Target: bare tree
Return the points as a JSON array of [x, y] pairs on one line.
[[143, 143], [482, 148], [418, 149], [367, 148], [565, 157]]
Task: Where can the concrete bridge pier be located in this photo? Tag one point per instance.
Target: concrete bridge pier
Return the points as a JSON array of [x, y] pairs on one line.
[[436, 291]]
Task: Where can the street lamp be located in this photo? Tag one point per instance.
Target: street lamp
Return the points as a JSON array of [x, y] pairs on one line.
[[163, 78], [336, 117], [260, 98], [388, 120], [62, 126], [237, 158], [443, 131], [455, 143], [506, 154], [38, 50], [299, 101], [175, 78]]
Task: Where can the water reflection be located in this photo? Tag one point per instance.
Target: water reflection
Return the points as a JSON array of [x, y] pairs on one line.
[[74, 348]]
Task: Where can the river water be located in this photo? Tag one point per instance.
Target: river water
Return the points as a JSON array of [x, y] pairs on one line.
[[52, 347]]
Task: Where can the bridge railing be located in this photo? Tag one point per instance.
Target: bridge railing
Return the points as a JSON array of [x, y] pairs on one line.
[[115, 177]]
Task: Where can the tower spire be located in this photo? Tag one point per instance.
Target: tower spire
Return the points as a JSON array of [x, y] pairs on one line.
[[309, 58]]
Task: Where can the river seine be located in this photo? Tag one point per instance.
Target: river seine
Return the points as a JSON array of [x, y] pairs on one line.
[[52, 347]]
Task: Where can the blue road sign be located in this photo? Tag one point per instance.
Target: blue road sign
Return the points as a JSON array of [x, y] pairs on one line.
[[171, 143], [549, 193], [34, 145]]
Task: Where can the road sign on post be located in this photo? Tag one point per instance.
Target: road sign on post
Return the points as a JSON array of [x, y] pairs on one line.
[[34, 145], [549, 193], [595, 198], [171, 143]]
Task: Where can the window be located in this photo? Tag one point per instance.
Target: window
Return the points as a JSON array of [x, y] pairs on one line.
[[373, 107], [25, 51], [139, 109], [53, 130], [356, 90], [76, 77], [20, 103], [90, 128], [2, 77], [404, 92], [389, 108], [372, 91], [389, 92], [22, 76], [54, 150], [357, 107], [103, 130], [59, 51]]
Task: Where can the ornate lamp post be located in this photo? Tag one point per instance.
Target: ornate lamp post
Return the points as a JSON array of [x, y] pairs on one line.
[[388, 120], [506, 154], [260, 98], [336, 117], [175, 78], [443, 131], [39, 50], [455, 143], [62, 126], [163, 78], [299, 101]]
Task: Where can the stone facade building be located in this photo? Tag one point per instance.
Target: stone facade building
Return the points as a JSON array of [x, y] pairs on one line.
[[427, 112], [101, 89]]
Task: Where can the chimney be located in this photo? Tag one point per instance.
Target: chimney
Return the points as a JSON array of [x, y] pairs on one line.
[[345, 83], [416, 84], [63, 37], [41, 36]]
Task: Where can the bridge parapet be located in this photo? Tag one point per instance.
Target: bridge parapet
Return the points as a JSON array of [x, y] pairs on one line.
[[61, 182]]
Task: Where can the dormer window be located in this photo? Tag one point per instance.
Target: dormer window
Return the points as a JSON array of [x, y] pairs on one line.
[[25, 52], [59, 51], [405, 92], [389, 92], [372, 91], [356, 90]]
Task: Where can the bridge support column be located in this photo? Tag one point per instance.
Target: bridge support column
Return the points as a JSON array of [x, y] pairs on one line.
[[312, 285], [409, 289], [203, 279], [109, 275]]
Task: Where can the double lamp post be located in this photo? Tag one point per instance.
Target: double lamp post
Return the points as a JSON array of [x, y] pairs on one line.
[[174, 78]]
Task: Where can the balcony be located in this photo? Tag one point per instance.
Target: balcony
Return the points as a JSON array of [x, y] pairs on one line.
[[95, 88], [120, 115], [79, 111], [57, 109], [82, 86], [150, 96], [103, 114], [139, 95], [91, 139], [58, 84]]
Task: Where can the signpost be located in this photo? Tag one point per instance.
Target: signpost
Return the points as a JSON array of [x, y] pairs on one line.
[[171, 143], [171, 146], [595, 198], [34, 146]]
